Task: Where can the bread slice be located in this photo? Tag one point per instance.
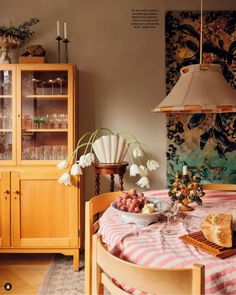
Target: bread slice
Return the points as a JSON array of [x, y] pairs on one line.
[[217, 228]]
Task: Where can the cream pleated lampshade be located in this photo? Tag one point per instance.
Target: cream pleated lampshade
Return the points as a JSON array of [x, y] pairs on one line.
[[200, 88]]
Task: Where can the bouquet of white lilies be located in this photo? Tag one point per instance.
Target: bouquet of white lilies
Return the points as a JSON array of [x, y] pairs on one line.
[[141, 165]]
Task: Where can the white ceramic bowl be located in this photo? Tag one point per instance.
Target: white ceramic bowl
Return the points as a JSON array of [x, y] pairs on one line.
[[140, 218]]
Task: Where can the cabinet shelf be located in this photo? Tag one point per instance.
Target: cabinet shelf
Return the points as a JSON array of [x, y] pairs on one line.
[[46, 97], [45, 130], [6, 96], [5, 130]]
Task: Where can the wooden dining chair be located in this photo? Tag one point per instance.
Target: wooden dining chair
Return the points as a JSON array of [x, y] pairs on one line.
[[93, 207], [151, 280], [220, 187]]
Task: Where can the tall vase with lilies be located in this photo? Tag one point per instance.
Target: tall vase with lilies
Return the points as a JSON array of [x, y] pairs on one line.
[[109, 146]]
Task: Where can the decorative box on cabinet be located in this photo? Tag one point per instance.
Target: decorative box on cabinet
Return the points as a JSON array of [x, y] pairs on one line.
[[37, 129]]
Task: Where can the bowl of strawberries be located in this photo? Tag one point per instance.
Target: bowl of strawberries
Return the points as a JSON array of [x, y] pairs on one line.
[[134, 207]]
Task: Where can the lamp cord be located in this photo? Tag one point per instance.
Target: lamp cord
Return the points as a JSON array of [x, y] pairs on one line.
[[201, 20]]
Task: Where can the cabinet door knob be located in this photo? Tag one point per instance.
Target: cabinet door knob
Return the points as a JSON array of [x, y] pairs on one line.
[[6, 192], [16, 192]]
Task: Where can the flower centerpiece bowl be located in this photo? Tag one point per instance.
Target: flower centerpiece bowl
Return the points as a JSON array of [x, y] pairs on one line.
[[186, 189]]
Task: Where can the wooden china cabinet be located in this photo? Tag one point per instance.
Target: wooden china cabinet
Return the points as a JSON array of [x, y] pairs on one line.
[[38, 106]]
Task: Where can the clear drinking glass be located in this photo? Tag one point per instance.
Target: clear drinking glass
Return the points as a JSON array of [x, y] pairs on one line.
[[170, 212], [193, 223]]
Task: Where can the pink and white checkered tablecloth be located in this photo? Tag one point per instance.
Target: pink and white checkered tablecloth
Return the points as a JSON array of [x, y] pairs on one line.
[[147, 246]]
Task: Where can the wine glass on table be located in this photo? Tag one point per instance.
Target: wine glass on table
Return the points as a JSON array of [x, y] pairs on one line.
[[170, 211]]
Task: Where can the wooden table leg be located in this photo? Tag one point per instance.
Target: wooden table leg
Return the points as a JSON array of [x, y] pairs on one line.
[[97, 185], [112, 183], [121, 181]]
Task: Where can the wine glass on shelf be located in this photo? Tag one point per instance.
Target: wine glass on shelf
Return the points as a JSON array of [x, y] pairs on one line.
[[35, 83], [43, 84], [51, 82], [170, 211], [60, 82]]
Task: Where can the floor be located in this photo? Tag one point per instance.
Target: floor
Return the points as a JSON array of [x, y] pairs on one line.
[[24, 272]]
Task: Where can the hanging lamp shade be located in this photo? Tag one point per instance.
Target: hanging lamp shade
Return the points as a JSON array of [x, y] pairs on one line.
[[200, 88]]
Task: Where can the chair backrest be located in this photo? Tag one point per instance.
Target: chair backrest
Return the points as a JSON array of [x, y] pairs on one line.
[[220, 187], [94, 206], [152, 280]]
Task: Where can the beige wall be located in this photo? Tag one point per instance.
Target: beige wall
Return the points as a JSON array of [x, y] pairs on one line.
[[122, 69]]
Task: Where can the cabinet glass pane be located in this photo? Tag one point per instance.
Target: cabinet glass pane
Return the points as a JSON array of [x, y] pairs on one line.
[[5, 146], [44, 145], [5, 113], [44, 115], [5, 83], [44, 83], [5, 100]]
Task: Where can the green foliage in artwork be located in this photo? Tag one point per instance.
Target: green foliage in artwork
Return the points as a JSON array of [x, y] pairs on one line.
[[207, 144]]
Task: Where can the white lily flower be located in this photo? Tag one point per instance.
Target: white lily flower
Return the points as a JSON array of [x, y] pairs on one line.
[[83, 161], [152, 165], [75, 170], [91, 158], [143, 170], [137, 152], [143, 181], [134, 170], [86, 160], [65, 179], [62, 165]]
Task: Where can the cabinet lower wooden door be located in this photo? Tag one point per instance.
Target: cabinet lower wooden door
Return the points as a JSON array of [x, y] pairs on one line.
[[5, 203], [44, 212]]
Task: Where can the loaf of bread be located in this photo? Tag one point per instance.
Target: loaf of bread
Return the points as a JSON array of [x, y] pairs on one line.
[[217, 228]]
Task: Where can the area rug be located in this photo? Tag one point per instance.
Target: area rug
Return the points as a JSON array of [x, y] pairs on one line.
[[61, 279]]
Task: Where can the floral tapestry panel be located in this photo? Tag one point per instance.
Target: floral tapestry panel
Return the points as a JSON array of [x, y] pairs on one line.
[[182, 42], [206, 142]]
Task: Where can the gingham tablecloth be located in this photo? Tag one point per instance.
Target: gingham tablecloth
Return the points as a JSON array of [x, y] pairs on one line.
[[147, 246]]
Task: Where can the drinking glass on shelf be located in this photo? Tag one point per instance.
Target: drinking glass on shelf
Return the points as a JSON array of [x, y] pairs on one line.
[[7, 84], [63, 121], [52, 82], [6, 122], [43, 84], [60, 82], [169, 212], [63, 152], [47, 152], [36, 82]]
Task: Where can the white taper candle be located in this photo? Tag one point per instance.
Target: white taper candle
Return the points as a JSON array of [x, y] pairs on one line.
[[58, 28], [185, 170], [65, 31]]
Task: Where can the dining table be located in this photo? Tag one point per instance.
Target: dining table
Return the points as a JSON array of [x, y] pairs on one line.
[[148, 246]]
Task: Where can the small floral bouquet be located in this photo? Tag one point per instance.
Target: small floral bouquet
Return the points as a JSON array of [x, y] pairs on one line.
[[185, 189], [136, 152]]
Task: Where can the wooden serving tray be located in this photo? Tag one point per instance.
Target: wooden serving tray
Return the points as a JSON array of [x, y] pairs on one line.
[[198, 240]]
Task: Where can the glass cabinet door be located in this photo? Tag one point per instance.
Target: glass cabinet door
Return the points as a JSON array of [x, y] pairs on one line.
[[6, 114], [44, 115]]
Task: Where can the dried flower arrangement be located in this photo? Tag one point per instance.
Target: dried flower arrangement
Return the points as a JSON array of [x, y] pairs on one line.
[[22, 33]]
